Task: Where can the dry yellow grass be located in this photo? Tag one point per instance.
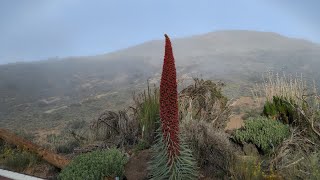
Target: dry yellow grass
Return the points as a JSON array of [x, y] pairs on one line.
[[286, 86]]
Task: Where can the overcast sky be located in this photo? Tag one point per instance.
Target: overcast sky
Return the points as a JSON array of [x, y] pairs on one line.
[[40, 29]]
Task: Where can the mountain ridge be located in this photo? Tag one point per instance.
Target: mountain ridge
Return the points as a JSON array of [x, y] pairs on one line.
[[236, 57], [227, 33]]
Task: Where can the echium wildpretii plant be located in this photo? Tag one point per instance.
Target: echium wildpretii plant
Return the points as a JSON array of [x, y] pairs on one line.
[[172, 158]]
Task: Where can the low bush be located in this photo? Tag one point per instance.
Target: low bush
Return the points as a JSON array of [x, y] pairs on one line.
[[280, 109], [95, 165], [17, 160], [212, 148], [263, 132], [204, 101], [141, 146], [67, 147], [247, 167]]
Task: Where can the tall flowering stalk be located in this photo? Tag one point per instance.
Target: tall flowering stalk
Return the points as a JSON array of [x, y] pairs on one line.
[[172, 158], [169, 101]]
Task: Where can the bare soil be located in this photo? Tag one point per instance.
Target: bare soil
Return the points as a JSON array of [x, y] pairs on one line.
[[243, 103], [136, 168]]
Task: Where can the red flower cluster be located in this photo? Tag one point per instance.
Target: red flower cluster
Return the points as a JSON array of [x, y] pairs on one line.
[[169, 101]]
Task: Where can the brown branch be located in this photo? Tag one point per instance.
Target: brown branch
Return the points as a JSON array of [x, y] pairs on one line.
[[52, 158]]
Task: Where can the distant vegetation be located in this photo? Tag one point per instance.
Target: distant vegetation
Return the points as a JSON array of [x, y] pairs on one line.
[[28, 90]]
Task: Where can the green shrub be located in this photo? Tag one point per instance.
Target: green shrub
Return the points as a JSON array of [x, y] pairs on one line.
[[141, 146], [17, 159], [281, 109], [247, 167], [95, 165], [148, 106], [263, 132]]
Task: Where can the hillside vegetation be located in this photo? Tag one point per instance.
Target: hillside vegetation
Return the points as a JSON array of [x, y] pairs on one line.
[[59, 90]]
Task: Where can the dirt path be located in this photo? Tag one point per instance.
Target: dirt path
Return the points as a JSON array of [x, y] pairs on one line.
[[239, 108], [235, 122], [136, 168]]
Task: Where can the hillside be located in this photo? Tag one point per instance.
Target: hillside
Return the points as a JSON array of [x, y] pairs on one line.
[[47, 93]]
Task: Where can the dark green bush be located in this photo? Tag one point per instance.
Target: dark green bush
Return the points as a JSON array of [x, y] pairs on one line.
[[263, 132], [280, 109], [95, 165]]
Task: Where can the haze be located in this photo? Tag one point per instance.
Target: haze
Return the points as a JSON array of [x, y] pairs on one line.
[[42, 29]]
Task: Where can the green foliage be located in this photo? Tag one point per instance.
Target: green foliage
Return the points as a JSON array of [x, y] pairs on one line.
[[17, 160], [184, 166], [263, 132], [247, 167], [95, 166], [148, 112], [141, 146], [280, 109]]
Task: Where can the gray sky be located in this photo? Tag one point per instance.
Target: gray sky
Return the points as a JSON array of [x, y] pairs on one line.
[[40, 29]]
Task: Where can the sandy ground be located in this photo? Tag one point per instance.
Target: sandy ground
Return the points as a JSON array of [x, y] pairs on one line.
[[247, 103]]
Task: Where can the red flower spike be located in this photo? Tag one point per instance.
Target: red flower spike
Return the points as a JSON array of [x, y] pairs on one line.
[[169, 101]]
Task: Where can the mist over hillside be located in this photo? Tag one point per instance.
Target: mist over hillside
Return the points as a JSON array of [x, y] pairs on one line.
[[49, 92]]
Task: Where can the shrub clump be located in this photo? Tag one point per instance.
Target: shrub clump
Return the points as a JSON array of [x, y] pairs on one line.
[[17, 160], [204, 101], [281, 109], [263, 132], [211, 147], [247, 167], [95, 165]]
